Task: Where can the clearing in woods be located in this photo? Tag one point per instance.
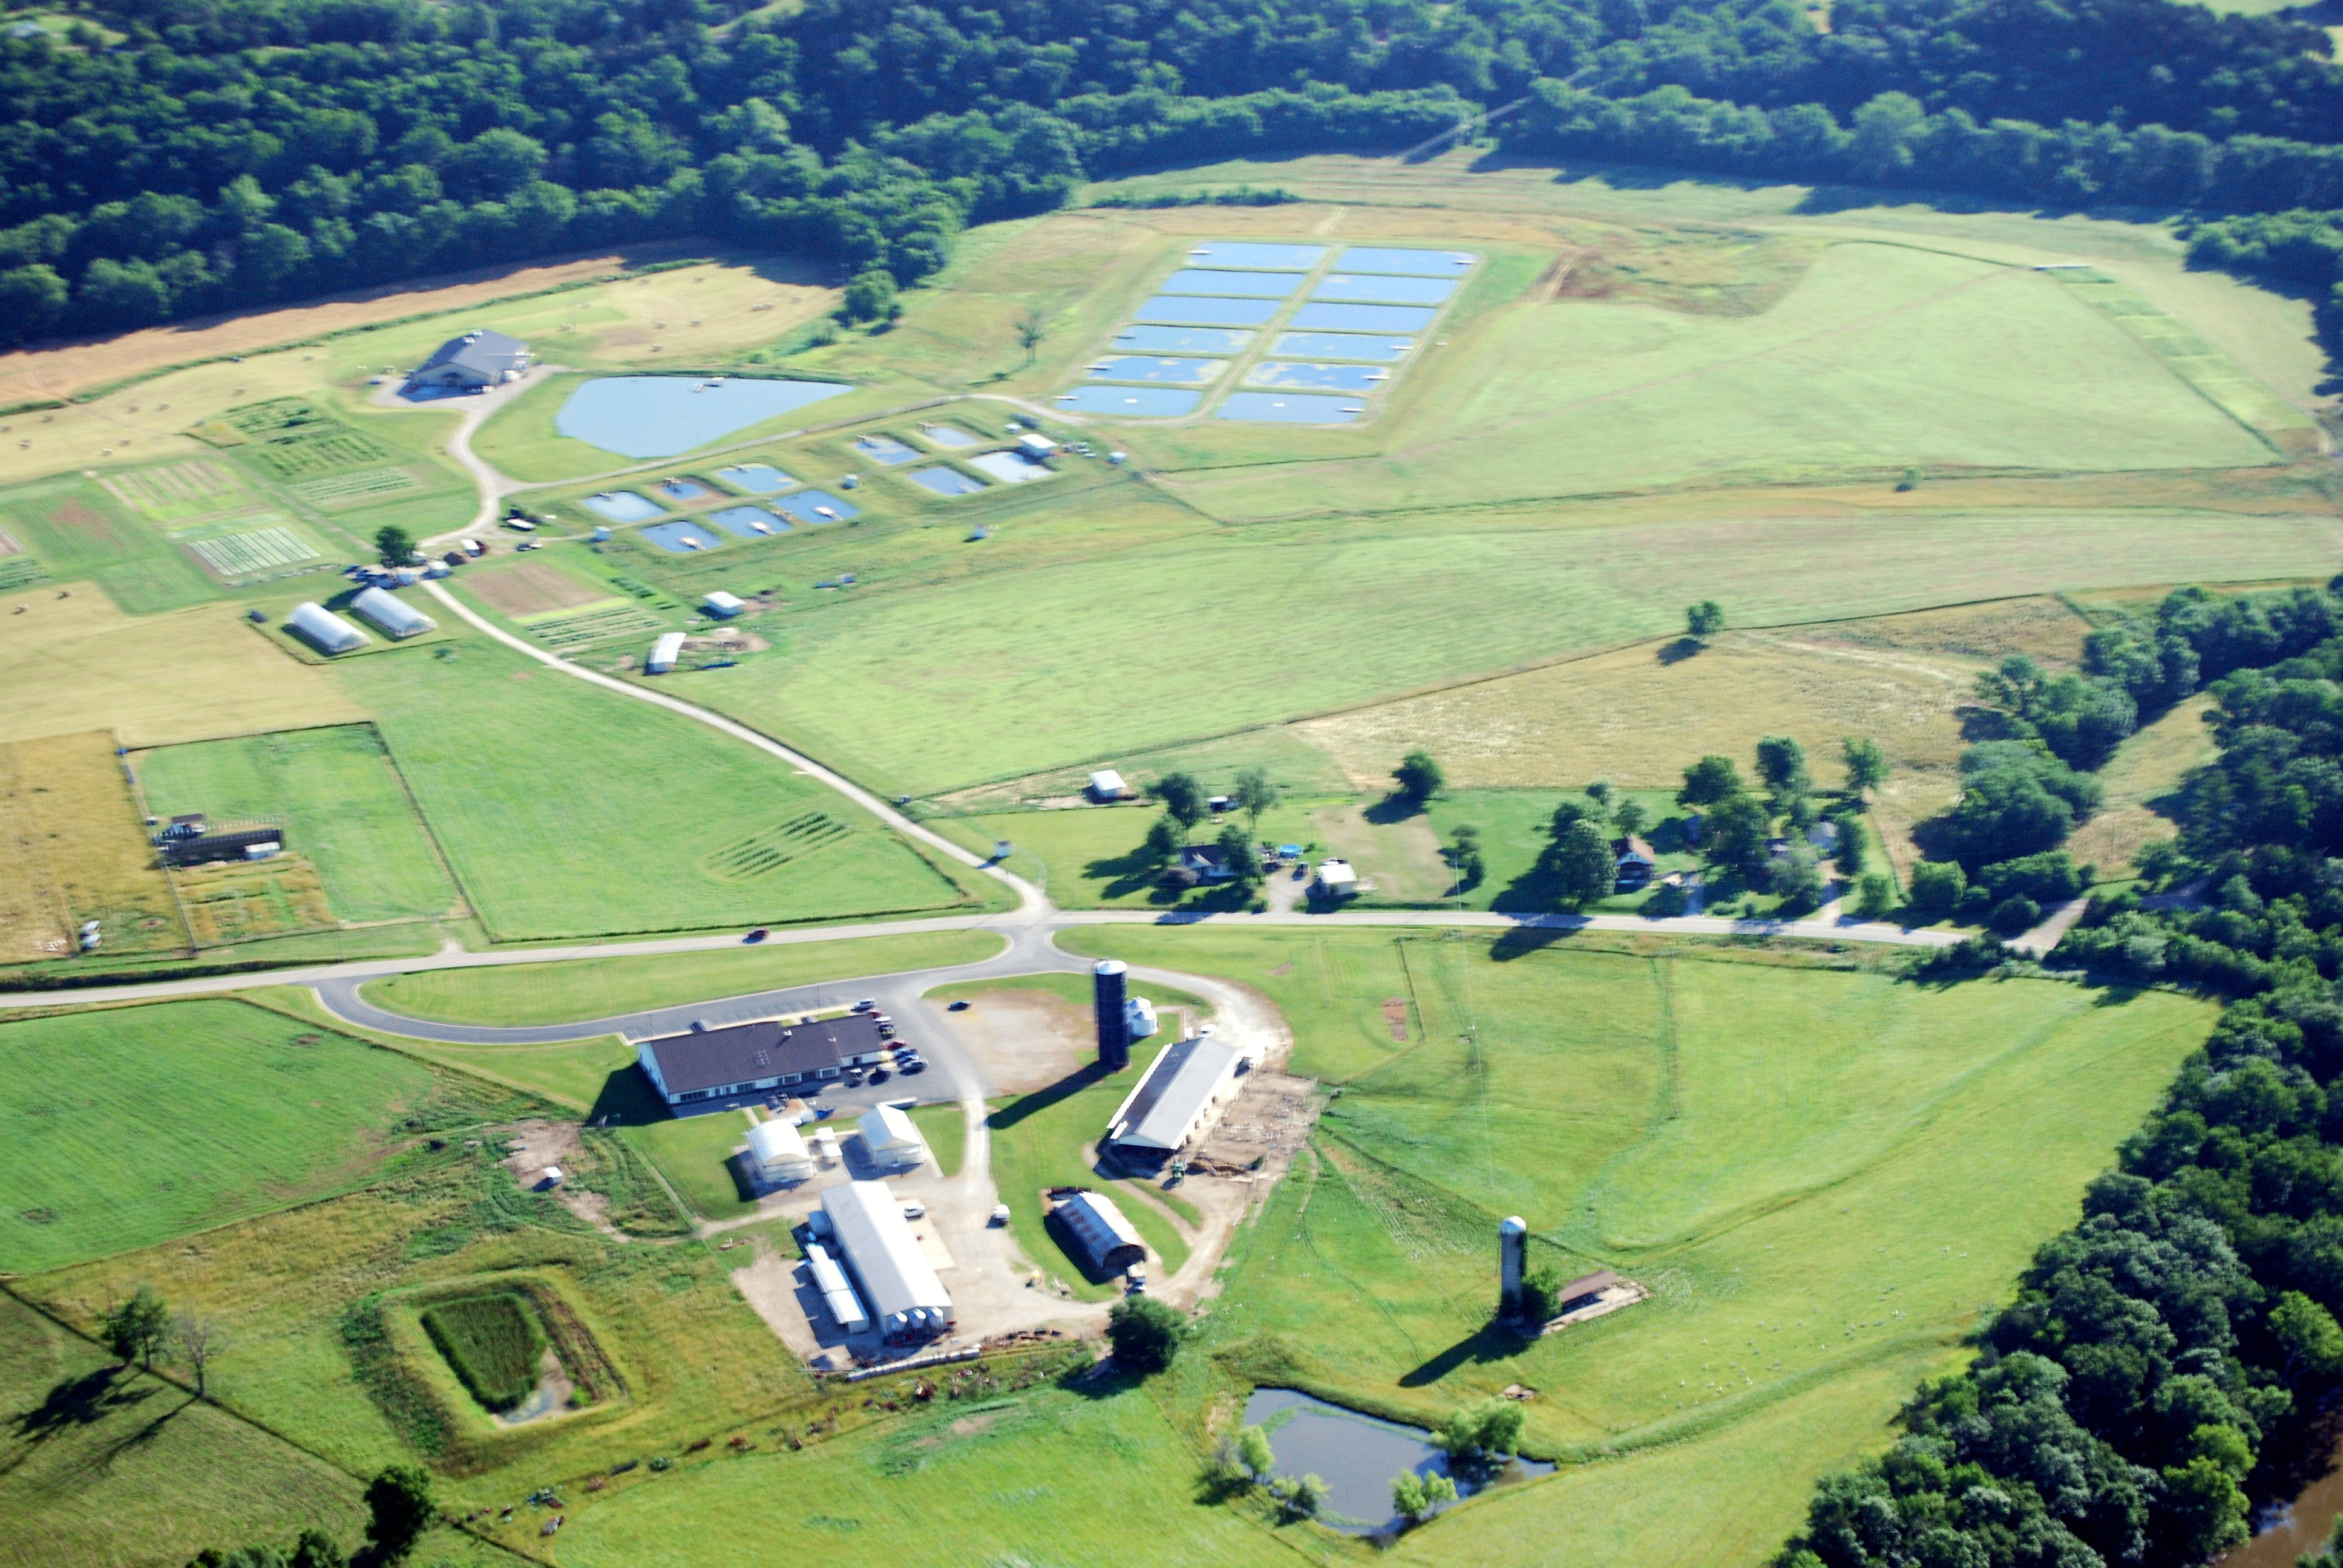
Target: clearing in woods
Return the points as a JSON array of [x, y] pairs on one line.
[[72, 850]]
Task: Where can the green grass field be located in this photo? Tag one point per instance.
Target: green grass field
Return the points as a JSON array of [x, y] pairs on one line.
[[131, 1126], [339, 797], [603, 815], [945, 1127], [603, 988], [491, 1341], [695, 1153], [1038, 1142]]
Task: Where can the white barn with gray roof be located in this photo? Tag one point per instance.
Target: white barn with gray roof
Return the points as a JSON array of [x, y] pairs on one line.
[[476, 360], [1176, 1104]]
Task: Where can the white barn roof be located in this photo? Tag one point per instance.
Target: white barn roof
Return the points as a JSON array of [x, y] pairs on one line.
[[663, 653], [837, 1295], [879, 1246], [772, 1143], [1106, 782], [393, 614], [1164, 1110], [886, 1128], [327, 629]]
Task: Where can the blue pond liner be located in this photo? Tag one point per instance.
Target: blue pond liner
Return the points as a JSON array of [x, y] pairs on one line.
[[945, 481], [1368, 288], [1141, 368], [743, 521], [1359, 378], [1195, 310], [1357, 1456], [1324, 316], [1251, 253], [1289, 408], [1131, 402], [660, 415], [1411, 262], [1342, 346], [809, 506], [1183, 340], [681, 490], [884, 450], [672, 537], [623, 505], [1239, 284], [948, 435], [756, 478]]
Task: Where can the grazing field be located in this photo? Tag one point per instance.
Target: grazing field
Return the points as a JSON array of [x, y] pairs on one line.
[[72, 664], [72, 850], [2146, 769], [492, 1341], [1768, 1146], [132, 1126], [342, 804], [603, 815], [695, 1154], [1059, 663], [581, 988]]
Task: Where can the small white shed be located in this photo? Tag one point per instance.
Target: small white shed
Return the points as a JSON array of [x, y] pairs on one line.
[[778, 1152], [1036, 447], [891, 1140], [722, 605], [1337, 879], [664, 653], [1106, 784]]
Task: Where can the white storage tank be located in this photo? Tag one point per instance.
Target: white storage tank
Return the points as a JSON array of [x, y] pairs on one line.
[[328, 630]]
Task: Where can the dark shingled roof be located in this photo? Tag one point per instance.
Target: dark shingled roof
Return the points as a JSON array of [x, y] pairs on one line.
[[744, 1052], [491, 354]]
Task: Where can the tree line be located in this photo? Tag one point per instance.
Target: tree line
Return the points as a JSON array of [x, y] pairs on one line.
[[227, 153]]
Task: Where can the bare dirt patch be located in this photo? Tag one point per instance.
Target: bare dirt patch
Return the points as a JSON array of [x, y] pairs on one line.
[[536, 1144], [532, 588], [1024, 1039]]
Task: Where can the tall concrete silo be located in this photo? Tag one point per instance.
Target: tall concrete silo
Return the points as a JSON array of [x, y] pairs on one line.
[[1110, 999]]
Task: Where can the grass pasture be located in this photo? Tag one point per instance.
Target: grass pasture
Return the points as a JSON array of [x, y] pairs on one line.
[[605, 816], [131, 1126], [1768, 1146], [71, 849]]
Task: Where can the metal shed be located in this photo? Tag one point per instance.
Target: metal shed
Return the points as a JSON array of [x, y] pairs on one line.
[[778, 1152], [664, 653], [1102, 1238], [398, 618], [328, 630], [838, 1297], [891, 1140], [1174, 1104], [907, 1300]]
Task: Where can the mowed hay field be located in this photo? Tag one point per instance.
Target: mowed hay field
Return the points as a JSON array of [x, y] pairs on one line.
[[582, 988], [567, 811], [340, 801], [999, 676], [125, 1127], [71, 849], [1773, 1148]]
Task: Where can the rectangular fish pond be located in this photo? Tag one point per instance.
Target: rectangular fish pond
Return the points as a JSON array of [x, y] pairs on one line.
[[1357, 1456], [1196, 310], [1141, 368], [748, 522], [1236, 285], [677, 491], [756, 478], [945, 481], [682, 538], [1183, 340], [1289, 408], [660, 415], [1342, 346], [1253, 254], [1013, 467], [1413, 263], [951, 436], [1327, 316], [1130, 402], [623, 505], [1368, 288], [884, 450], [815, 507], [1359, 378]]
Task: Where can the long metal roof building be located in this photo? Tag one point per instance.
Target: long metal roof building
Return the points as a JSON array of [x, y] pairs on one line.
[[1106, 1239], [906, 1299], [393, 614], [1162, 1113], [327, 629]]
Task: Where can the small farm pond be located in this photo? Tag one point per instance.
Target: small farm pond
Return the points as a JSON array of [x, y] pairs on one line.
[[951, 436], [1240, 285], [1359, 378], [748, 522], [1326, 316], [681, 538], [1375, 288], [756, 478], [1151, 402], [1197, 311], [1342, 346], [682, 490], [946, 481], [884, 450], [1357, 1456], [1291, 408], [811, 506], [1182, 339], [1012, 468], [1247, 252], [1416, 263], [1175, 371], [623, 505], [660, 415]]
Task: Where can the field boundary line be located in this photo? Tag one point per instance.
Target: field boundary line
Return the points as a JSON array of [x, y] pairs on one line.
[[121, 756], [471, 906]]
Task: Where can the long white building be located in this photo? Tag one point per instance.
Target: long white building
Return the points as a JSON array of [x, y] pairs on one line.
[[907, 1302], [1173, 1108]]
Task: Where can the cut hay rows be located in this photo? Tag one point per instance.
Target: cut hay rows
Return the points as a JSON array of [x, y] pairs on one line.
[[762, 854]]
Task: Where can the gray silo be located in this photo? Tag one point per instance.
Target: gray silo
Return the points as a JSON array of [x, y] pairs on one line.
[[1108, 999], [1513, 1249]]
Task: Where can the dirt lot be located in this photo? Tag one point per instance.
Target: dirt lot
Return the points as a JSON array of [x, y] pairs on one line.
[[1024, 1039], [538, 1144], [531, 587]]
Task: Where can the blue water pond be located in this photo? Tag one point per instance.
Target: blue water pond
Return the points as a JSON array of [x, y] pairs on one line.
[[1141, 367], [1342, 346], [1357, 1457], [1247, 252], [1130, 402], [815, 507], [682, 538], [660, 415], [1182, 339], [1326, 316], [623, 505], [1359, 378], [1195, 310], [1240, 285], [756, 478], [945, 481], [748, 522], [1368, 288], [947, 436], [1414, 263], [884, 450], [1289, 408], [679, 490]]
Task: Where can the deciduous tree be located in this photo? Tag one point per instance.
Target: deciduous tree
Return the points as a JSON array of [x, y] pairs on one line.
[[1419, 777]]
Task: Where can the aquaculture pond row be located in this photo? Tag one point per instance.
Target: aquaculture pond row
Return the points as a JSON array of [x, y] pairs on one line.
[[1274, 332]]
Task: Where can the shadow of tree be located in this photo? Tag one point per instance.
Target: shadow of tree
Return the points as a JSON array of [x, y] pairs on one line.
[[78, 1402], [1519, 942], [1393, 808], [1679, 650]]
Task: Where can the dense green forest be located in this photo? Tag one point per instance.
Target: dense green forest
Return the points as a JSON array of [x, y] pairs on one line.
[[169, 157]]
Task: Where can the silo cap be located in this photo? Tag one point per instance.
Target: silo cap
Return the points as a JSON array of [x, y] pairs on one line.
[[1514, 1225], [1111, 966]]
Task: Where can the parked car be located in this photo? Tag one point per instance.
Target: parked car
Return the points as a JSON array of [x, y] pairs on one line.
[[877, 1075], [959, 1006], [1001, 1213], [759, 935], [854, 1077], [1134, 1281], [915, 1210], [868, 1004], [910, 1065]]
